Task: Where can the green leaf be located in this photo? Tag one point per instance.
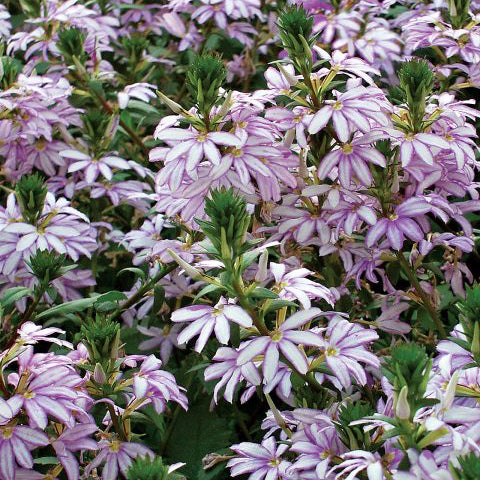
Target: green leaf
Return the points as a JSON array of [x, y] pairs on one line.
[[13, 294], [277, 304], [197, 433], [68, 307], [113, 296], [138, 272], [206, 290], [261, 292], [158, 298]]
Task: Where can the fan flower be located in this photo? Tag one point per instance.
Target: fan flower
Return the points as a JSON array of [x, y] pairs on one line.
[[206, 319], [285, 339]]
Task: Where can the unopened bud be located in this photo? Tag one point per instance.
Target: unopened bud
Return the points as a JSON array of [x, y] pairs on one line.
[[402, 408], [99, 374], [262, 272]]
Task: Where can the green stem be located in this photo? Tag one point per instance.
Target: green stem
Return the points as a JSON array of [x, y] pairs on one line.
[[116, 424], [427, 303], [142, 291]]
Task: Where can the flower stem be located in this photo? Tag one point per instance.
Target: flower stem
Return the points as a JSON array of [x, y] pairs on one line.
[[427, 303], [142, 291]]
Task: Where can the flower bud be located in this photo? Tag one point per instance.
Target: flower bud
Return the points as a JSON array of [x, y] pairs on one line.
[[71, 44], [99, 374], [204, 79], [262, 271], [31, 192], [101, 337], [402, 408], [46, 266]]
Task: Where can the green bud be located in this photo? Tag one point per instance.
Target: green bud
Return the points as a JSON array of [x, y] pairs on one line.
[[71, 44], [101, 337], [204, 79], [10, 68], [416, 80], [469, 468], [228, 223], [402, 407], [31, 191], [144, 468], [46, 266], [458, 13], [296, 28], [409, 366], [353, 436]]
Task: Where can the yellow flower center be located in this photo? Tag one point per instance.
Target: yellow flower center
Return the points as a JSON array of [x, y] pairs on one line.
[[202, 137], [7, 433], [115, 446], [28, 394], [347, 148], [237, 152], [331, 352], [276, 336], [337, 105]]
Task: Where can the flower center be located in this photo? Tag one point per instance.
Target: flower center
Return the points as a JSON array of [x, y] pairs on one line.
[[202, 137], [347, 148], [242, 124], [393, 217], [409, 137], [40, 145], [276, 336], [28, 394], [331, 352], [274, 462], [337, 105], [115, 446], [237, 152], [7, 433], [448, 137]]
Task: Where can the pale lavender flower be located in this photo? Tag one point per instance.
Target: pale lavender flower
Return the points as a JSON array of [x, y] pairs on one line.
[[357, 461], [400, 224], [16, 442], [230, 373], [285, 339], [316, 445], [354, 109], [352, 159], [206, 319], [73, 440], [31, 334], [389, 320], [294, 285], [51, 392], [117, 455], [262, 461], [344, 346], [195, 145], [163, 338], [422, 145], [156, 385], [141, 91], [92, 167]]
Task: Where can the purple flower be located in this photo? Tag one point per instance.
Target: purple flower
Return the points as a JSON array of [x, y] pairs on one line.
[[16, 442], [400, 224], [94, 166], [156, 385], [230, 372], [352, 110], [73, 440], [352, 159], [294, 285], [115, 456], [195, 145], [262, 461], [423, 145], [51, 392], [206, 319], [285, 339], [30, 334], [164, 338], [357, 461], [344, 347]]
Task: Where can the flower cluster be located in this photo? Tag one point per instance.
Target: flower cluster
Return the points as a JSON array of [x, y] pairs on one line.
[[239, 238]]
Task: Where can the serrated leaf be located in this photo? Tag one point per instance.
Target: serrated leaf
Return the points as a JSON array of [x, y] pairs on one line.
[[197, 432]]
